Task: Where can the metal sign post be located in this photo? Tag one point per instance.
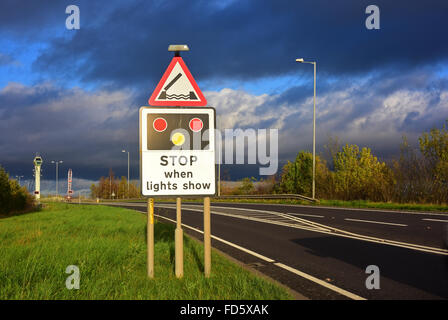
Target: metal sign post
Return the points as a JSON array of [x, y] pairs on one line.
[[179, 241], [150, 237], [207, 238]]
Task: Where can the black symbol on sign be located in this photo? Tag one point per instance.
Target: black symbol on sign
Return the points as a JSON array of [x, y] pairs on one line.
[[164, 96]]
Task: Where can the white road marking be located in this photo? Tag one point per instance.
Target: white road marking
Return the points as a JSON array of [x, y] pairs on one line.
[[311, 226], [281, 265], [263, 220], [343, 208], [321, 282], [435, 220], [379, 222], [223, 241], [305, 215]]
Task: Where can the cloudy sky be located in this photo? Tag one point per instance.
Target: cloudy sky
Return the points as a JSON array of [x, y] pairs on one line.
[[74, 95]]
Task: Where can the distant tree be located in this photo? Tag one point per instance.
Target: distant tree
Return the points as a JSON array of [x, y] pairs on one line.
[[13, 197], [359, 175], [5, 191], [434, 147], [413, 181], [332, 147], [247, 186], [94, 191], [123, 188], [297, 176]]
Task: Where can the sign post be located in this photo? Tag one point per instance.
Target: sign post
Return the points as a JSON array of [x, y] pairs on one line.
[[150, 237], [177, 151], [179, 239], [207, 238]]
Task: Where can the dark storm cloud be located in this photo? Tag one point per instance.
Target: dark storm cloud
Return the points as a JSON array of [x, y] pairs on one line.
[[247, 39], [88, 129], [373, 86], [27, 16], [37, 19]]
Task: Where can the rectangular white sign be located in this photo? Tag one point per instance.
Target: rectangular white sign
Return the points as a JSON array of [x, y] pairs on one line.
[[177, 151]]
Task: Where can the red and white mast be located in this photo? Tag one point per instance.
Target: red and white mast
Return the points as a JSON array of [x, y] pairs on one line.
[[69, 183]]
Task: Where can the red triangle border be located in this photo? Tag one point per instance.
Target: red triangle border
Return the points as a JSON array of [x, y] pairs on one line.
[[200, 103]]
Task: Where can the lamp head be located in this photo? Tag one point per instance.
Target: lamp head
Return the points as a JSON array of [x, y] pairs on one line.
[[299, 60]]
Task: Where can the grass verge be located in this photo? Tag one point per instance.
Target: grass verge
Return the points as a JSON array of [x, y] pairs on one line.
[[109, 247]]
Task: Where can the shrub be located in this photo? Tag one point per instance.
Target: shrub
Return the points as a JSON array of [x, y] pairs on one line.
[[13, 197]]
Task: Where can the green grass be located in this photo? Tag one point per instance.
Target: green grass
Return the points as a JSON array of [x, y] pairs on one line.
[[385, 205], [109, 247]]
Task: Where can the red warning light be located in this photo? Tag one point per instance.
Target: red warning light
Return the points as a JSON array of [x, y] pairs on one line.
[[159, 124], [196, 124]]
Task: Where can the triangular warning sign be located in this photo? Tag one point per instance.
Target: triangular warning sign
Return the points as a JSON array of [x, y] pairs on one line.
[[177, 87]]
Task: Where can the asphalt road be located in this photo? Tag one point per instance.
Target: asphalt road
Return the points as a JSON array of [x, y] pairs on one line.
[[323, 253]]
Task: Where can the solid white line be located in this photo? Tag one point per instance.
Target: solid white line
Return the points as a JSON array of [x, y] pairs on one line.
[[379, 222], [321, 282], [435, 220], [305, 215], [342, 208], [281, 265]]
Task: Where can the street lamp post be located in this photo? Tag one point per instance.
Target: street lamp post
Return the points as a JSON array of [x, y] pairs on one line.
[[57, 162], [128, 169], [314, 125], [18, 178]]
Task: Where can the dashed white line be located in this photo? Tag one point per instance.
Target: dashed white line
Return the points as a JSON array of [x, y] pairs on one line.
[[379, 222], [305, 215], [437, 220]]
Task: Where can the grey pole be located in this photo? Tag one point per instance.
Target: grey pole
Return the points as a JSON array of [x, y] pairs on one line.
[[128, 169], [314, 135], [18, 178], [314, 63], [128, 174], [57, 162]]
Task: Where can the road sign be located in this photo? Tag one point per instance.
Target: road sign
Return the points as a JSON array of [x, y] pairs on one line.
[[177, 151], [177, 87]]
